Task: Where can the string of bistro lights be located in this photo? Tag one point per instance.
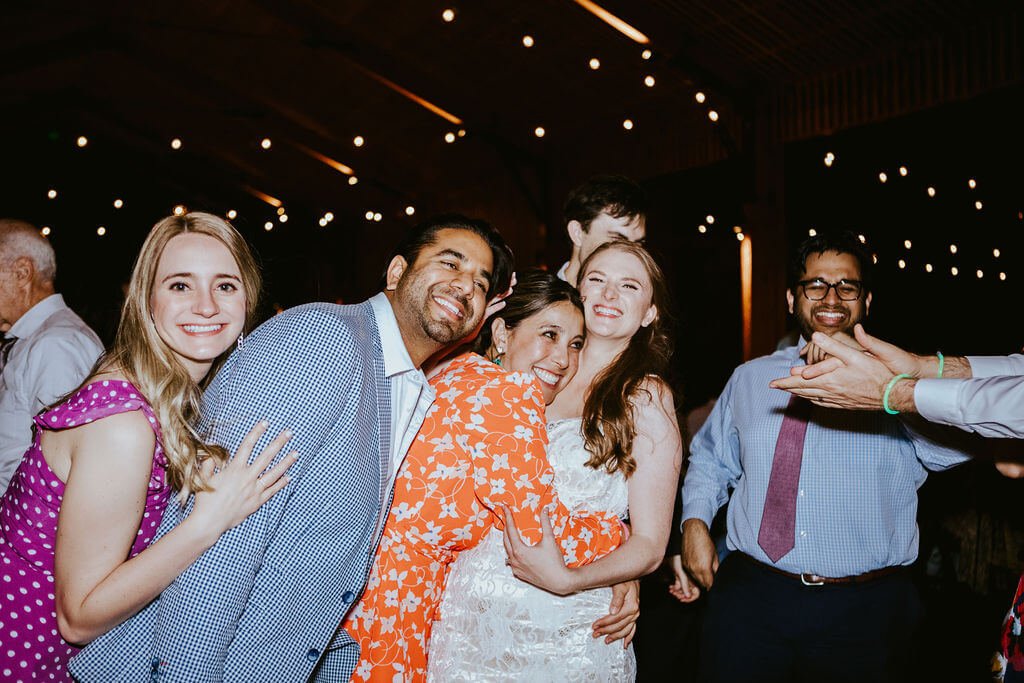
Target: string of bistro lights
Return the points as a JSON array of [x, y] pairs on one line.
[[901, 261], [374, 215]]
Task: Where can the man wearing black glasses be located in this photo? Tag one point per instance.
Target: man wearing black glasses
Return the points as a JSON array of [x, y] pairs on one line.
[[822, 521]]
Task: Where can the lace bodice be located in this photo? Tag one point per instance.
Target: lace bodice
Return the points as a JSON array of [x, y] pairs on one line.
[[579, 486]]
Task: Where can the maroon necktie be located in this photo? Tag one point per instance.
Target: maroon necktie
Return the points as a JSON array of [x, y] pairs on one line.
[[778, 520]]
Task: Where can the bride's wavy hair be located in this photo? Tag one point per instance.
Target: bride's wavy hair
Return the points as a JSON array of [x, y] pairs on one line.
[[609, 422], [152, 366]]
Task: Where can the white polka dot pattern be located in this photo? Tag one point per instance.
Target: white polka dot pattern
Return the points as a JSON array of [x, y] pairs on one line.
[[32, 649]]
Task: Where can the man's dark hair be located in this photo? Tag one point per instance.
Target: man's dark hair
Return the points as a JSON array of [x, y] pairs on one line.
[[615, 195], [425, 235], [842, 242]]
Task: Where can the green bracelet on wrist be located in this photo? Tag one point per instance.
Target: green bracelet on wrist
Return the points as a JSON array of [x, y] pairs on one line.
[[942, 362], [888, 390]]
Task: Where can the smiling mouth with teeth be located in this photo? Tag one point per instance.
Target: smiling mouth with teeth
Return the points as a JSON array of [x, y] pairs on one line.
[[201, 329], [830, 317], [546, 376], [449, 306], [605, 310]]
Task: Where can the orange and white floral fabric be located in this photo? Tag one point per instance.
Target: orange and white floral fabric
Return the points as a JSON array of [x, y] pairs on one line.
[[482, 445]]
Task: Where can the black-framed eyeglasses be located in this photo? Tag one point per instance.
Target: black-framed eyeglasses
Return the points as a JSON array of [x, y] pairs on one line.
[[846, 290]]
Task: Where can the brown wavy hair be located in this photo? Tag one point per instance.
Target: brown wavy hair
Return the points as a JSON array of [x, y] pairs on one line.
[[150, 364], [609, 422]]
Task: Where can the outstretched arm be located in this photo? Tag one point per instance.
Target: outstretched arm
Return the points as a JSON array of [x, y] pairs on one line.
[[858, 381]]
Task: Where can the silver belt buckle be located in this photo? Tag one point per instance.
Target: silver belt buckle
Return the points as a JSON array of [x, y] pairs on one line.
[[809, 579]]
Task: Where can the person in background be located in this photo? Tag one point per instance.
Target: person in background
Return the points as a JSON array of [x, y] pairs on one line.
[[602, 209], [822, 522], [47, 350]]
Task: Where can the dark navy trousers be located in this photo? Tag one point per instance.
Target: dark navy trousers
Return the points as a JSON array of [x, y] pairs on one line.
[[765, 627]]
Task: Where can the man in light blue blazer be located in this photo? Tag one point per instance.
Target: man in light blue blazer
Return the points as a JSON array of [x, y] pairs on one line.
[[265, 602]]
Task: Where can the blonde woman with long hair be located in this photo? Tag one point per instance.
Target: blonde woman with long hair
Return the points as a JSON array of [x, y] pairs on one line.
[[85, 503]]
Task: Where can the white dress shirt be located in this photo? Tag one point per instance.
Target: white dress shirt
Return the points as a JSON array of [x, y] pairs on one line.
[[991, 403], [561, 274], [411, 394], [53, 354]]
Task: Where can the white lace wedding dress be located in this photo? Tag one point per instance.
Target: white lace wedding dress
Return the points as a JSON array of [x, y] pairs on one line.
[[494, 627]]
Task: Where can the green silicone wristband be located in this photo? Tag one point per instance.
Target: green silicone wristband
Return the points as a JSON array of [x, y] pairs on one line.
[[942, 362], [888, 390]]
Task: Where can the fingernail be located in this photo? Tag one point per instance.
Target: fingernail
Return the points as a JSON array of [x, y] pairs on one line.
[[264, 424]]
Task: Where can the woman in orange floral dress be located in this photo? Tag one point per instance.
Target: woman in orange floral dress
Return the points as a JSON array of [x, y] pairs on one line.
[[482, 446]]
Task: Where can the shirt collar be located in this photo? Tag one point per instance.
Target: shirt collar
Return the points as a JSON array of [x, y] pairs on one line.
[[561, 272], [396, 356], [36, 316]]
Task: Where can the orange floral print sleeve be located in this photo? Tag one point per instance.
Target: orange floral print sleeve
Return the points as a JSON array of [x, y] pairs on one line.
[[482, 445], [510, 467]]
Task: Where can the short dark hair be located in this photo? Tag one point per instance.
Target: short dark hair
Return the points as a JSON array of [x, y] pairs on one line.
[[425, 235], [615, 195], [841, 242], [535, 290]]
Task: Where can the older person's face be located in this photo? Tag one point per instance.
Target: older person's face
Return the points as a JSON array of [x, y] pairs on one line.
[[12, 293]]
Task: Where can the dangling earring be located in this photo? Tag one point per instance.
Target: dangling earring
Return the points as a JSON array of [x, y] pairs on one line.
[[241, 338], [497, 358]]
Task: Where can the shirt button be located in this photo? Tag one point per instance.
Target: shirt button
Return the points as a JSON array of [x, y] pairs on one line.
[[802, 534], [801, 492], [312, 655], [347, 596]]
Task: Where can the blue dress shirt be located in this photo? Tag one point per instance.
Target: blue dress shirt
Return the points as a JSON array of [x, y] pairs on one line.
[[857, 499]]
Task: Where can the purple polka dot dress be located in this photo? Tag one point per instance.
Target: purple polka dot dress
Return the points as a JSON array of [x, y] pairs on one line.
[[31, 648]]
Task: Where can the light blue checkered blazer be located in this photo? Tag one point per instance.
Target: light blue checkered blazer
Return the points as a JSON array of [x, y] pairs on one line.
[[265, 602]]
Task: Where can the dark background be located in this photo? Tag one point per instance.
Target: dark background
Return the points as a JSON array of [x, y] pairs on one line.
[[934, 85]]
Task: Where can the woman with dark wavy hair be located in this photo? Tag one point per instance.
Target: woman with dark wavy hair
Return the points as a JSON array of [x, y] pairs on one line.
[[615, 447]]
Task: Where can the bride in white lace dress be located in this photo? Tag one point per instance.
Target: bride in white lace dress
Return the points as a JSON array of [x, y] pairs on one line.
[[614, 446]]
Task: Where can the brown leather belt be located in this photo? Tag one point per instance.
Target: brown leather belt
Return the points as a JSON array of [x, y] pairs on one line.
[[809, 579]]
